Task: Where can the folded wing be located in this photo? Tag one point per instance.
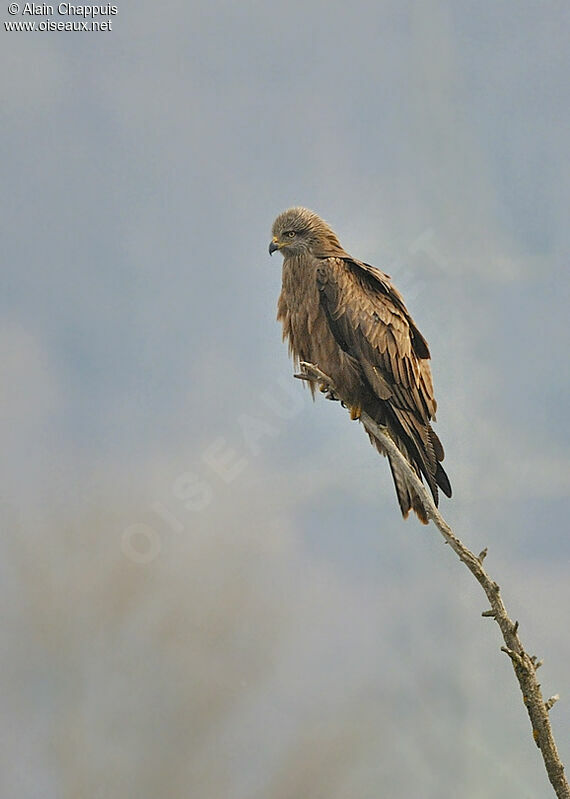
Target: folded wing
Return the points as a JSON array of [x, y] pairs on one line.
[[369, 320]]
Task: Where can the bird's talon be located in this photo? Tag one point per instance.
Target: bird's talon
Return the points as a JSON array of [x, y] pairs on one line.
[[355, 412]]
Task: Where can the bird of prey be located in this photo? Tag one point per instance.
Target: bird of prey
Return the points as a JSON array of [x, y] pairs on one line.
[[347, 318]]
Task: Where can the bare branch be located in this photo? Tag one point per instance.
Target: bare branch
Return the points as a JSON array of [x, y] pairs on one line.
[[524, 665]]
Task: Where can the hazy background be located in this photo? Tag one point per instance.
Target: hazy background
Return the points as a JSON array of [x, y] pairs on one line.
[[269, 628]]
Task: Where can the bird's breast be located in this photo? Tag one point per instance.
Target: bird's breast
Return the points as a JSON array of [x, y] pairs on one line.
[[306, 327], [298, 308], [299, 283]]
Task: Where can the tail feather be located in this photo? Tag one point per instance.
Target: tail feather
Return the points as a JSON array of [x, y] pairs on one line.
[[424, 452], [442, 480], [419, 445], [436, 444], [407, 498]]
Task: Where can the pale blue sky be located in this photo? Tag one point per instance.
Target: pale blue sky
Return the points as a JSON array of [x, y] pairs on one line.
[[143, 169]]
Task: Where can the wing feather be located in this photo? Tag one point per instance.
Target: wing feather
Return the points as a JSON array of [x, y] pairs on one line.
[[370, 322]]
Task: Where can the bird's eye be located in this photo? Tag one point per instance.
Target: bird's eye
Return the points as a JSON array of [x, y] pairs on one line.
[[290, 234]]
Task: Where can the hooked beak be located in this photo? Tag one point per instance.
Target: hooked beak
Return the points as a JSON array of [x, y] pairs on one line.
[[273, 246]]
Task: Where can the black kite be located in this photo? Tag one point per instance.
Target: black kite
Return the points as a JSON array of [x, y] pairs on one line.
[[347, 318]]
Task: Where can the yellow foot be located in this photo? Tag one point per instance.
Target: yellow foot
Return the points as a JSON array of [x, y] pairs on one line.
[[355, 412]]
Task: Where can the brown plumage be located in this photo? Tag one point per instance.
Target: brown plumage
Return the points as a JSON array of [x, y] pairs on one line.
[[347, 318]]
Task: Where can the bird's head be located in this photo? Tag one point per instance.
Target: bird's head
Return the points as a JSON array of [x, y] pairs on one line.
[[299, 231]]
